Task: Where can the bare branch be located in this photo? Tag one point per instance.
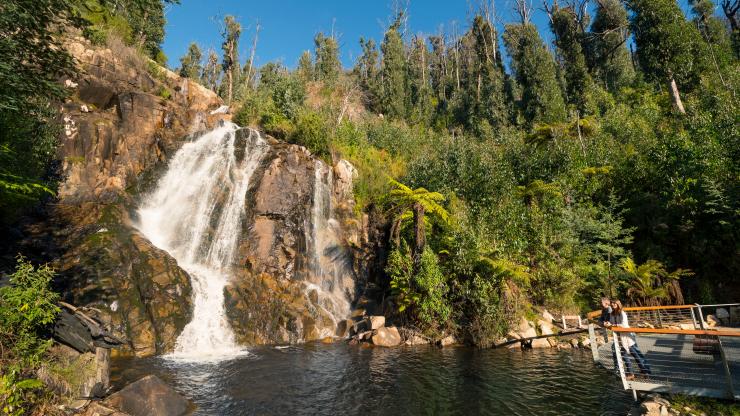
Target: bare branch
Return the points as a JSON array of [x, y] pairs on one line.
[[524, 9]]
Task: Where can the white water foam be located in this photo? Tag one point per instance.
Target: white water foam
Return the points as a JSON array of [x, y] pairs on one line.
[[195, 214], [327, 267]]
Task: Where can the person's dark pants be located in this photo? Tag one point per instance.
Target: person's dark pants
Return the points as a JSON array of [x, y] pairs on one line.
[[635, 352], [641, 362]]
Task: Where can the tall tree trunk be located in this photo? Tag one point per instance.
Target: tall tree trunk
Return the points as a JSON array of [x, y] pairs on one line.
[[675, 96], [419, 236], [251, 55], [230, 76]]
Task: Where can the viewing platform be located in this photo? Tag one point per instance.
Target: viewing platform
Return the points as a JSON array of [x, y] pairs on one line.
[[684, 349]]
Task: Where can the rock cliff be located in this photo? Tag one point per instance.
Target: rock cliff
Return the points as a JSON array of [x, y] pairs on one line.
[[125, 119]]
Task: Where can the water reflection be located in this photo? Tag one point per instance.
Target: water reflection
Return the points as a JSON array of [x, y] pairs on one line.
[[317, 379]]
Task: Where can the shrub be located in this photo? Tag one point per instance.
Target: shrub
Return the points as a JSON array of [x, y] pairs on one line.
[[311, 132], [27, 310]]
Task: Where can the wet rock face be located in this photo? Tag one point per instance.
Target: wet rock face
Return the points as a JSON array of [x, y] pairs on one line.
[[138, 289], [121, 123], [271, 299], [280, 201]]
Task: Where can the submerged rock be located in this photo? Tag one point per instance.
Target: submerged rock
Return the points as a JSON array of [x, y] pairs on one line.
[[149, 396]]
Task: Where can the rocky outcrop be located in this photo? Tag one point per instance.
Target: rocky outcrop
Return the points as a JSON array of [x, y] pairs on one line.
[[125, 115], [138, 290], [279, 293]]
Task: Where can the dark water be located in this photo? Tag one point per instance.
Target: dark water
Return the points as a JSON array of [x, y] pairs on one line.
[[317, 379]]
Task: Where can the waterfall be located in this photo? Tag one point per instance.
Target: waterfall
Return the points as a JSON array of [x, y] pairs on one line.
[[330, 277], [195, 214]]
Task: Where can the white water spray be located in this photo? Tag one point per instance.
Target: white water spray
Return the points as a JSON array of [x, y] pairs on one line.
[[195, 214], [330, 275]]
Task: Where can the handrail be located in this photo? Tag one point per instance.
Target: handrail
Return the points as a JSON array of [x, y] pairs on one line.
[[655, 308], [677, 331], [594, 314]]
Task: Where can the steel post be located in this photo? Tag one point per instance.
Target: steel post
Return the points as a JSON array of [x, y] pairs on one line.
[[620, 364], [594, 344], [701, 316], [730, 387]]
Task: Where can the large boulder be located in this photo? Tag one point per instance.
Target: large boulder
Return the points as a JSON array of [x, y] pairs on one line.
[[387, 337], [376, 322], [525, 329], [541, 343], [547, 316], [149, 396], [134, 287]]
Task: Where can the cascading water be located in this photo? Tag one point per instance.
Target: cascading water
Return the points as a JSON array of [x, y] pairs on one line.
[[195, 214], [328, 266]]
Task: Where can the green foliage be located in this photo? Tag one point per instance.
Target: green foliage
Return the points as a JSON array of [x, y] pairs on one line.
[[367, 70], [311, 132], [305, 70], [569, 39], [32, 60], [433, 310], [649, 284], [230, 33], [327, 66], [535, 70], [211, 72], [482, 96], [607, 51], [190, 66], [421, 294], [393, 98], [400, 270], [668, 47], [27, 309], [703, 405]]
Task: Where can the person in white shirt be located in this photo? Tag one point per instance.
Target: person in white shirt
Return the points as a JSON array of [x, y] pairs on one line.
[[627, 342]]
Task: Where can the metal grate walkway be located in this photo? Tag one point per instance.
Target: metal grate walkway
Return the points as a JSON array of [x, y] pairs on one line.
[[694, 362]]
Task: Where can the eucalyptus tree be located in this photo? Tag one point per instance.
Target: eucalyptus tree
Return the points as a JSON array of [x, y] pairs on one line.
[[231, 32], [211, 74], [368, 72], [669, 48], [190, 63], [607, 52], [567, 24], [393, 73], [326, 51], [536, 72]]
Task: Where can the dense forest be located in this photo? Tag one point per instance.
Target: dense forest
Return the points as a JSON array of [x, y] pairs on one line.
[[509, 171]]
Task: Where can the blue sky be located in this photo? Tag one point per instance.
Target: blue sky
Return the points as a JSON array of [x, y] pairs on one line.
[[288, 26]]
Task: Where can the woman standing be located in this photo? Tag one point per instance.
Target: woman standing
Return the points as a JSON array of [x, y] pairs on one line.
[[627, 341]]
